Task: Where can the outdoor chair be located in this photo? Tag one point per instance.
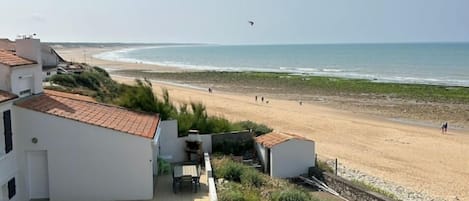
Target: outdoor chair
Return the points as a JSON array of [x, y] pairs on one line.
[[189, 180]]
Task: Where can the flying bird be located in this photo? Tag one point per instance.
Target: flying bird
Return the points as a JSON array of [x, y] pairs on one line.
[[251, 22]]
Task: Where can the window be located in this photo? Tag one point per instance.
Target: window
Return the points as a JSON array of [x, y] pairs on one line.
[[48, 73], [11, 188], [25, 92], [7, 131]]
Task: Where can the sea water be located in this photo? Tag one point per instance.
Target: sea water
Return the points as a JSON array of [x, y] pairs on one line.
[[424, 63]]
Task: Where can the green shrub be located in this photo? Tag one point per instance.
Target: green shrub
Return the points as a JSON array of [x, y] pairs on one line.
[[89, 80], [258, 129], [231, 195], [64, 80], [323, 166], [231, 171], [101, 71], [236, 192], [252, 177], [291, 195]]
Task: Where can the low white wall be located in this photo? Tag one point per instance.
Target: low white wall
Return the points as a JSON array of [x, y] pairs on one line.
[[85, 162], [172, 147], [212, 190], [292, 158]]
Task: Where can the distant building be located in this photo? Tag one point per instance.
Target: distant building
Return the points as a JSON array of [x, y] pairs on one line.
[[62, 146], [50, 59], [285, 155]]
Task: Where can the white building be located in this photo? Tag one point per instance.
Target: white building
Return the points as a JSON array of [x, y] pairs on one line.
[[50, 59], [63, 146], [285, 155]]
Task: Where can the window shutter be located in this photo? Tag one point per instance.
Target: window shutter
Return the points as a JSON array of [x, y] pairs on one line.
[[11, 188], [7, 131]]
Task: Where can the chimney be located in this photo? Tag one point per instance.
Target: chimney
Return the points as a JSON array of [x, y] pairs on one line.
[[30, 48]]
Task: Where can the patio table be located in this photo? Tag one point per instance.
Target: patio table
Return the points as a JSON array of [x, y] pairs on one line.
[[181, 171]]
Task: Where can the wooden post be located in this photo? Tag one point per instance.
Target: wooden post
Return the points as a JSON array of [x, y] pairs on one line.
[[336, 164]]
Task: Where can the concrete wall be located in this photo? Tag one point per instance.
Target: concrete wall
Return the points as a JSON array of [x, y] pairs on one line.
[[351, 191], [291, 158], [262, 155], [172, 147], [85, 162]]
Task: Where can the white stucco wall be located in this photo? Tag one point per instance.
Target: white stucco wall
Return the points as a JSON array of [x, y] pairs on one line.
[[172, 147], [85, 162], [291, 158], [5, 78], [19, 75], [8, 165], [49, 73], [262, 154], [48, 56]]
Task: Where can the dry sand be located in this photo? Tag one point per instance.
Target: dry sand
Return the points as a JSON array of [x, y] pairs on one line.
[[409, 155]]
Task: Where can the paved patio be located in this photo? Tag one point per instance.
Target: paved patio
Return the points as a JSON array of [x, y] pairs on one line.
[[164, 190]]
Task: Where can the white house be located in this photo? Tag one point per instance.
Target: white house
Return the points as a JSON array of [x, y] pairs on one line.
[[285, 155], [8, 165], [64, 146], [50, 59]]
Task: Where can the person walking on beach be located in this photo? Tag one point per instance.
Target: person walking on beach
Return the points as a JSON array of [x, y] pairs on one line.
[[262, 98], [256, 98], [444, 128], [209, 90]]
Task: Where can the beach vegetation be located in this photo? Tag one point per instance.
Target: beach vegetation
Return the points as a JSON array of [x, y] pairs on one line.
[[257, 129], [292, 195], [308, 84], [97, 83], [237, 181], [375, 189]]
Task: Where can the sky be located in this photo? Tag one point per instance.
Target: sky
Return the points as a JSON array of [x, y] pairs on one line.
[[226, 21]]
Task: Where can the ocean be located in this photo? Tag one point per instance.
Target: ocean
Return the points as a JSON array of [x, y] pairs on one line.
[[423, 63]]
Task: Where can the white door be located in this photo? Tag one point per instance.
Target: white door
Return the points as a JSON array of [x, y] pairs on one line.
[[38, 174]]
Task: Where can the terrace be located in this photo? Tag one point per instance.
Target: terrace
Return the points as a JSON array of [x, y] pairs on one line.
[[164, 190]]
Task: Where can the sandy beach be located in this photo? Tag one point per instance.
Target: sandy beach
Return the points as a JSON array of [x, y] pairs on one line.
[[415, 156]]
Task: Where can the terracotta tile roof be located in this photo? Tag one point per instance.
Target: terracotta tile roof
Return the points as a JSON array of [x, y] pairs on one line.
[[6, 96], [274, 138], [11, 59], [69, 95], [71, 106]]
